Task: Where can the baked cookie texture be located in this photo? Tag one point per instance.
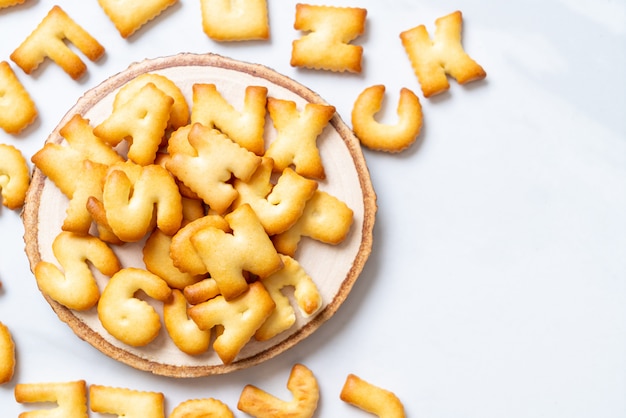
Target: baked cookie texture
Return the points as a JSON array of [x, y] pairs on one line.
[[128, 16], [381, 136], [7, 354], [48, 41], [228, 21], [433, 59], [303, 386], [17, 108], [329, 31], [371, 398], [14, 176]]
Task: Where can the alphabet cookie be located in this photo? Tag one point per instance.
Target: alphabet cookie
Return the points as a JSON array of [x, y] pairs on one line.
[[126, 403], [244, 20], [382, 136], [433, 59], [327, 45], [47, 41], [70, 398], [17, 108], [303, 386], [371, 398], [7, 354], [14, 176], [128, 15]]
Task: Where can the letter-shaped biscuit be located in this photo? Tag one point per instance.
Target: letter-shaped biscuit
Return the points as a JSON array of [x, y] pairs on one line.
[[327, 45], [179, 113], [182, 330], [156, 257], [202, 408], [126, 403], [75, 286], [245, 127], [370, 398], [135, 197], [48, 40], [306, 296], [129, 15], [141, 120], [278, 206], [88, 184], [297, 132], [201, 291], [325, 218], [7, 354], [182, 251], [63, 164], [70, 397], [14, 176], [17, 108], [303, 386], [129, 319], [227, 255], [433, 59], [240, 318], [9, 3], [381, 136], [208, 170], [241, 20]]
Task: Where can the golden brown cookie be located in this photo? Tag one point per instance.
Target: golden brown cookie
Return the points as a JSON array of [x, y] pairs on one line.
[[70, 398], [17, 108], [330, 29], [382, 136], [303, 386], [7, 354], [126, 403], [128, 15], [14, 176], [243, 20], [371, 398], [432, 59], [48, 41]]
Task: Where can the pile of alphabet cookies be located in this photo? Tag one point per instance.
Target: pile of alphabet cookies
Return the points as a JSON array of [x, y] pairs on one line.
[[326, 47]]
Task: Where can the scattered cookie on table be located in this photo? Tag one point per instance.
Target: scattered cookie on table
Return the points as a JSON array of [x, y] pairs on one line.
[[202, 408], [7, 354], [327, 46], [48, 41], [305, 391], [432, 59], [243, 20], [371, 398], [17, 108], [14, 176], [127, 403], [70, 397], [381, 136], [9, 3], [129, 15]]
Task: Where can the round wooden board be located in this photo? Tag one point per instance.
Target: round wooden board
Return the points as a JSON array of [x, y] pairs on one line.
[[347, 177]]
